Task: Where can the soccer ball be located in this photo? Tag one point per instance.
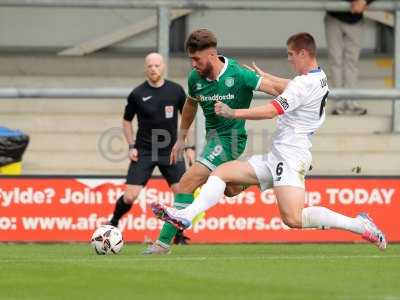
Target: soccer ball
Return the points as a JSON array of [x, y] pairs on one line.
[[107, 239]]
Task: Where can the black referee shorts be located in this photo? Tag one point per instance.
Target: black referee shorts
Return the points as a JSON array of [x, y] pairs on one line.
[[140, 171]]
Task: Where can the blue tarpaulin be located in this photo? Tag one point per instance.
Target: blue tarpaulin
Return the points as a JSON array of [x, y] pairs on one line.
[[13, 144]]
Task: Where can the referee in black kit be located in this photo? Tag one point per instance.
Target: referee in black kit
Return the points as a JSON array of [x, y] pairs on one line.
[[156, 103]]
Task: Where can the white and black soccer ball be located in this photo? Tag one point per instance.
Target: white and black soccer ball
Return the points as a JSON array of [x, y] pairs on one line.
[[107, 239]]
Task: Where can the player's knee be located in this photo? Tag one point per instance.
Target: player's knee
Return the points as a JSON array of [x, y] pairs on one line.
[[175, 188], [130, 197], [233, 190], [291, 221]]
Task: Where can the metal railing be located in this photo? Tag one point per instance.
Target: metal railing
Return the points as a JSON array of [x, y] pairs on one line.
[[203, 4], [110, 92]]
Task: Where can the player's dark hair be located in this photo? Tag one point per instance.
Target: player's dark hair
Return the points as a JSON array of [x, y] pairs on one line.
[[303, 40], [200, 39]]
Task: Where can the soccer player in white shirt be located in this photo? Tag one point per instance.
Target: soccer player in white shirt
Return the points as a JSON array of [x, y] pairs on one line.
[[300, 112]]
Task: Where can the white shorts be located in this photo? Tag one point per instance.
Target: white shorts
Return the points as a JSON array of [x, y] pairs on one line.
[[272, 170]]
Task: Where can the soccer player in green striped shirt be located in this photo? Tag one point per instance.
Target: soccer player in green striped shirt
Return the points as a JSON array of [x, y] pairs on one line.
[[213, 78]]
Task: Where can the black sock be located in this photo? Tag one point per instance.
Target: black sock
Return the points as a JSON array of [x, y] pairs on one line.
[[120, 209]]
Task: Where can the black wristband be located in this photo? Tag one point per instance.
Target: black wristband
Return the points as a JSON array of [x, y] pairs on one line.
[[190, 147], [131, 146]]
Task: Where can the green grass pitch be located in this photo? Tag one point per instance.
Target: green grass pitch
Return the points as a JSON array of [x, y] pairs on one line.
[[272, 271]]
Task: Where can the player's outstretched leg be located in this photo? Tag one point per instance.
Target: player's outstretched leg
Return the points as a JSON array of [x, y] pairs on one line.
[[234, 172], [209, 196], [322, 217], [291, 206]]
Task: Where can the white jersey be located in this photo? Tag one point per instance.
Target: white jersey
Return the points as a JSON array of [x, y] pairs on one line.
[[301, 109]]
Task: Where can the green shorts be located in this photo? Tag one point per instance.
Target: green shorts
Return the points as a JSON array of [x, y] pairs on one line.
[[220, 149]]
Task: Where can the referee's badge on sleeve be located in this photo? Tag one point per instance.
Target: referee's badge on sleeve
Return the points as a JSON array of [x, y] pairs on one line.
[[169, 111]]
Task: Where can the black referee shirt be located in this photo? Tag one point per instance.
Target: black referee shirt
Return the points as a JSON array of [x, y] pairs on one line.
[[157, 113]]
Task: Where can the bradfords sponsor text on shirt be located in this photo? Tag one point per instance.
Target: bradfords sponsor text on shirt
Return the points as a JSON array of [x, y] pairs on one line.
[[217, 97]]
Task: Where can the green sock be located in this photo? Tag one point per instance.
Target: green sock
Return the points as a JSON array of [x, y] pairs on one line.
[[168, 231]]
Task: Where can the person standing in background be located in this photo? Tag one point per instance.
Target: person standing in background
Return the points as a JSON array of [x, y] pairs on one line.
[[344, 32]]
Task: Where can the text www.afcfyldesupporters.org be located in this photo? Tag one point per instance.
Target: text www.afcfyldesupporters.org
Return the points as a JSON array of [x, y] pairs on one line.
[[141, 222]]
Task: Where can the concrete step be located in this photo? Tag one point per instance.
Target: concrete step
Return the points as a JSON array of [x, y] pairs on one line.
[[356, 124], [373, 163], [100, 123], [333, 125], [77, 81], [71, 163], [374, 83], [257, 143], [130, 82], [61, 106], [362, 143], [369, 67], [45, 123], [324, 163], [71, 142], [382, 143], [116, 106], [92, 65], [124, 65], [79, 162], [375, 107]]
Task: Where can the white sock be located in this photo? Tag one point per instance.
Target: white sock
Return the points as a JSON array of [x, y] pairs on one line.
[[211, 192], [324, 218]]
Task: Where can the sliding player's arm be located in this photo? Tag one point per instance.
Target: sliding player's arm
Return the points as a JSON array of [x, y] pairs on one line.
[[270, 84], [273, 85], [267, 111], [289, 100]]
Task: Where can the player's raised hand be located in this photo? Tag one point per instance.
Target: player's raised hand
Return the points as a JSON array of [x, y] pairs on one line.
[[133, 154], [223, 110], [249, 67], [177, 151], [257, 69]]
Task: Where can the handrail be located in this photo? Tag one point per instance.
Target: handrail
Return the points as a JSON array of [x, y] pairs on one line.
[[110, 92], [204, 4]]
